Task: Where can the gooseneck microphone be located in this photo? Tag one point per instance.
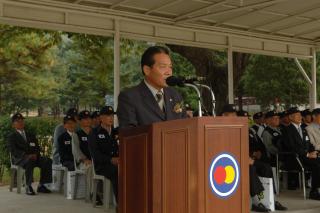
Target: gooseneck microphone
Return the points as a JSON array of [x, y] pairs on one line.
[[181, 81]]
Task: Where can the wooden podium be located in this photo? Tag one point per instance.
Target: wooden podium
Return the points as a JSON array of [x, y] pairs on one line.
[[165, 167]]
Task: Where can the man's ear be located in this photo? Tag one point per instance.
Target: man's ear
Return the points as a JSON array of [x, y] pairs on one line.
[[146, 70]]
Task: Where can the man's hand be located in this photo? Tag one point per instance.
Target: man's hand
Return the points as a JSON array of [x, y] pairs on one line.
[[115, 161], [251, 161], [87, 162], [32, 157], [257, 155], [312, 155]]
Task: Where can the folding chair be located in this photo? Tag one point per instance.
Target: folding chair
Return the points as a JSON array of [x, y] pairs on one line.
[[301, 170], [107, 189], [19, 172], [63, 177], [78, 173]]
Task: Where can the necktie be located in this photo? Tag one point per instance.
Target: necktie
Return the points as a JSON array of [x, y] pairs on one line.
[[300, 131], [24, 135], [159, 98]]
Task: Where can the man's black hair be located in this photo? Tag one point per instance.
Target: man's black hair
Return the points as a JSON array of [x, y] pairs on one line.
[[148, 55]]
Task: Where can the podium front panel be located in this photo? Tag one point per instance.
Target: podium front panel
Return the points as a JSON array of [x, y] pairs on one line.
[[226, 167]]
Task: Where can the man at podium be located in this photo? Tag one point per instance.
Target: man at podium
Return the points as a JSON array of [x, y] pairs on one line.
[[152, 100]]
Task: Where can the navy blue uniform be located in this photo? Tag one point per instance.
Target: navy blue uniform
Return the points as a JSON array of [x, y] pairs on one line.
[[65, 151], [103, 147], [83, 143]]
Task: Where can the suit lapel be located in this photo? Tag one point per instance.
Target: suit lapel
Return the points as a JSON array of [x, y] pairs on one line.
[[150, 101], [20, 136], [297, 135]]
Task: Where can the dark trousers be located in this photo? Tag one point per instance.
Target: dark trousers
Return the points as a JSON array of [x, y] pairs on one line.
[[110, 171], [69, 165], [256, 186], [45, 165], [314, 166]]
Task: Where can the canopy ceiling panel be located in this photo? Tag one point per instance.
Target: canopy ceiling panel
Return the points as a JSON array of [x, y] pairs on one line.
[[288, 28]]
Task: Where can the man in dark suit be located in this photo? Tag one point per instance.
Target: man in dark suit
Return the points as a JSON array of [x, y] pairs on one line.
[[297, 140], [25, 152], [152, 100]]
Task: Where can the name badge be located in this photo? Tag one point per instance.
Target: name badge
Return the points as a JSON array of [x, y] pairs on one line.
[[84, 138], [101, 136], [32, 144], [67, 142]]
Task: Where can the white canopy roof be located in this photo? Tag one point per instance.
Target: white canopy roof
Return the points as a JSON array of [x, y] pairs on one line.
[[289, 28]]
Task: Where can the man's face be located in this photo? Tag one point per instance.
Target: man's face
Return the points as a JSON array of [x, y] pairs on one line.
[[285, 120], [96, 121], [18, 124], [157, 74], [316, 118], [85, 122], [107, 119], [70, 126], [274, 121], [296, 117], [308, 119]]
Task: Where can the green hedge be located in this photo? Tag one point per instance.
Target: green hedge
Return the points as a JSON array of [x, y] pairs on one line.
[[42, 127]]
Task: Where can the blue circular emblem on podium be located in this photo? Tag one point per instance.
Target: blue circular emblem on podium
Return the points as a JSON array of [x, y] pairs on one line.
[[224, 175]]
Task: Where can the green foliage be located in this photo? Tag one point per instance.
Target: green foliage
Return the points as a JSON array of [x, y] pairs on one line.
[[42, 127], [268, 78]]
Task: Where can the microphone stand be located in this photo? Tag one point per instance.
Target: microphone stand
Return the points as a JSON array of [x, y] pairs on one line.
[[212, 97], [199, 96]]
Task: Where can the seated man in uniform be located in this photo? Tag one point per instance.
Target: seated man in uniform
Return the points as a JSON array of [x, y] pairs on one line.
[[65, 143], [103, 147], [59, 130], [25, 152], [84, 131], [95, 116]]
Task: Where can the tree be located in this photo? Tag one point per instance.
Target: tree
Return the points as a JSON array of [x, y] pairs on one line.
[[269, 78], [24, 61], [213, 65]]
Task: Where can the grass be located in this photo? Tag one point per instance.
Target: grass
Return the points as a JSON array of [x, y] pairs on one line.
[[6, 176]]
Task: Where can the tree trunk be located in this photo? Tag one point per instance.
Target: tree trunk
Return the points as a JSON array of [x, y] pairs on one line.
[[216, 76]]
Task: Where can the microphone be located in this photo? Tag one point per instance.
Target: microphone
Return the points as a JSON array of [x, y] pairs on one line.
[[181, 81]]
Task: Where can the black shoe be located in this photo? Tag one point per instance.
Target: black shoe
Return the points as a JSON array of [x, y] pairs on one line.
[[314, 195], [259, 208], [43, 189], [29, 190], [99, 201], [278, 206]]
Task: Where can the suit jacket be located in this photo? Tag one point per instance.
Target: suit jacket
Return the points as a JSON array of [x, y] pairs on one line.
[[137, 106], [295, 143], [19, 147], [314, 134]]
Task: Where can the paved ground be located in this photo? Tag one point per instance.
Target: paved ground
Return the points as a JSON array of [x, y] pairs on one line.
[[296, 204], [11, 202]]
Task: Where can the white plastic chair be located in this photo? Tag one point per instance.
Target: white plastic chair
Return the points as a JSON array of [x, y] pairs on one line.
[[18, 171], [63, 177], [107, 189], [79, 172]]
